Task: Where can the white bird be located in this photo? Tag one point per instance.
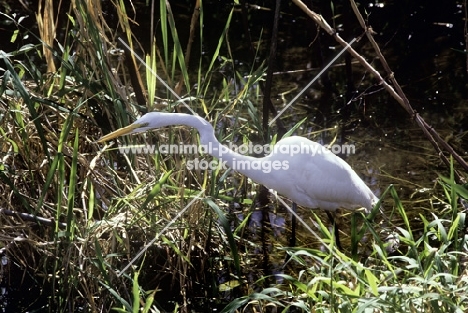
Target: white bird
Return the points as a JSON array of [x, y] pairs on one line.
[[314, 177]]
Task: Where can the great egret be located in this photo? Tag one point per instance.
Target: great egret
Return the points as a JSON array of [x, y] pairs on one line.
[[314, 177]]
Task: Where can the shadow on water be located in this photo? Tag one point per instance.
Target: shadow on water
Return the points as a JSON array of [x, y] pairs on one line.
[[20, 290]]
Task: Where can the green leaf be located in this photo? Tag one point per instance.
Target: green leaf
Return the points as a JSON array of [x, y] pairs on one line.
[[71, 186], [373, 282], [156, 189], [136, 293], [227, 229]]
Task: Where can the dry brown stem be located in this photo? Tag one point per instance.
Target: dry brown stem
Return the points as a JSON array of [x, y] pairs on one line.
[[394, 88], [46, 26]]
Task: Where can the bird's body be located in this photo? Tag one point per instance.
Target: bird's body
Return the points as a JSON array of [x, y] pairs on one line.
[[318, 179], [313, 177]]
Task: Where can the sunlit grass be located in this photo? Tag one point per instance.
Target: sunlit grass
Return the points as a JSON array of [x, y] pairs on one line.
[[422, 275], [106, 206]]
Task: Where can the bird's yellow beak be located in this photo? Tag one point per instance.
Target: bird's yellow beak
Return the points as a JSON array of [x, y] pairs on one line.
[[120, 132]]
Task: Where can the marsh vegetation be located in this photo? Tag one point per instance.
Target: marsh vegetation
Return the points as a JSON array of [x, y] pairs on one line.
[[75, 213]]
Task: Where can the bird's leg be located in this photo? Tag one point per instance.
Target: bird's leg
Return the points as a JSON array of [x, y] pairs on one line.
[[292, 240], [335, 230]]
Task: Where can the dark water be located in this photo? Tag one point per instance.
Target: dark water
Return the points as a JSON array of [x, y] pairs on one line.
[[20, 291]]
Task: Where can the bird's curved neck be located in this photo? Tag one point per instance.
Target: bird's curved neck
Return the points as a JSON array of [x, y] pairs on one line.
[[211, 143], [206, 131]]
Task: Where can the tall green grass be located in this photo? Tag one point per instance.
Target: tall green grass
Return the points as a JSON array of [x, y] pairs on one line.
[[106, 207], [112, 204], [425, 274]]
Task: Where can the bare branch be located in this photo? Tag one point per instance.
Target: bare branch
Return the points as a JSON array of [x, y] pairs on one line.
[[394, 88]]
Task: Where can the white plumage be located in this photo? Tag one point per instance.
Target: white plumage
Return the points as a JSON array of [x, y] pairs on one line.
[[318, 179]]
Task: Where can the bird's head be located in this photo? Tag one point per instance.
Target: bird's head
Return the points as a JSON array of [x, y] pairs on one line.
[[146, 122]]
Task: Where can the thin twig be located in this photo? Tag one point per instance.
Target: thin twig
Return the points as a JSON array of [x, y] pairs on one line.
[[33, 218], [428, 130], [396, 92], [271, 107], [193, 26], [269, 74], [465, 31]]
